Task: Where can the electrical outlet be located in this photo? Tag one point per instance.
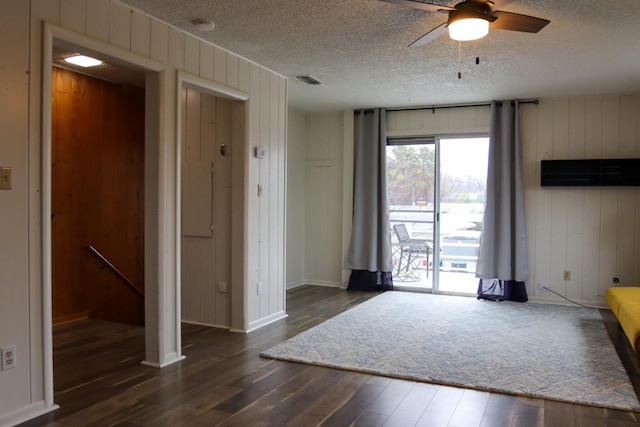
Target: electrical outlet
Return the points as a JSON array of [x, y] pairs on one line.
[[223, 287], [540, 286], [566, 275], [260, 288], [8, 357]]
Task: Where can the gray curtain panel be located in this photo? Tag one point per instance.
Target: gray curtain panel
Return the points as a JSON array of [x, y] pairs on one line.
[[370, 248], [503, 248]]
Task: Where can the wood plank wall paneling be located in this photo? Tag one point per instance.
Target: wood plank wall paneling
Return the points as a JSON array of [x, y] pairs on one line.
[[324, 171], [264, 196], [590, 231], [222, 205], [447, 121], [296, 194], [206, 208], [98, 197]]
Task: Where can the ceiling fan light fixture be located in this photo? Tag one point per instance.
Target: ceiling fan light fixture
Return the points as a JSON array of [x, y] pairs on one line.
[[466, 29]]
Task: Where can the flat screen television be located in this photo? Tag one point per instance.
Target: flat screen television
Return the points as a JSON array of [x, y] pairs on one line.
[[590, 173]]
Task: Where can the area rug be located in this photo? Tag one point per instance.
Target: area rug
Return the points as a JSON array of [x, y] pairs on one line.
[[539, 350]]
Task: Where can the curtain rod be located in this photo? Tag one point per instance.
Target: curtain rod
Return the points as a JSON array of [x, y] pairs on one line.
[[486, 104]]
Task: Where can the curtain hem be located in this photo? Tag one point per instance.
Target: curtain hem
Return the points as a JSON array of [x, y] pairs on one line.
[[363, 280], [502, 290]]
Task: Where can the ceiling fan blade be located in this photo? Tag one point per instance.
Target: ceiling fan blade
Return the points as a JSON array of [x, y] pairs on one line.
[[517, 22], [431, 35], [429, 7]]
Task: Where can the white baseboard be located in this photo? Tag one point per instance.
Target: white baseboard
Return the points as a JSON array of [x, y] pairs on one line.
[[560, 301], [295, 285], [171, 359], [25, 414], [210, 325], [326, 284], [265, 321]]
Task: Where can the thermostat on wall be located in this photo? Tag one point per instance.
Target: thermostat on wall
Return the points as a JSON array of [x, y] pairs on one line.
[[258, 152]]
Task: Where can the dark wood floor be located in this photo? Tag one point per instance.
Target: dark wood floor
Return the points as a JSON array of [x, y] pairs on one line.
[[99, 382]]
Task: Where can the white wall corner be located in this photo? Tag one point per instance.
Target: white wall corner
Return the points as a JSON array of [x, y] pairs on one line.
[[347, 190]]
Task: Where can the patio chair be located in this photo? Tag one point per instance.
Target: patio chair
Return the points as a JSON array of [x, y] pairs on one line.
[[408, 253]]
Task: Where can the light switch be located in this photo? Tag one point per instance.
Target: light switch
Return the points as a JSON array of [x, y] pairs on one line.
[[5, 178], [259, 152]]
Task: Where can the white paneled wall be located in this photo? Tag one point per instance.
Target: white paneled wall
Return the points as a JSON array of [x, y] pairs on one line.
[[266, 201], [444, 121], [296, 213], [323, 177], [14, 268], [112, 28], [206, 208], [593, 232]]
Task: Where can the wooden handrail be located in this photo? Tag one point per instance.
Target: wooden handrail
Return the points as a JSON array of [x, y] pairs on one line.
[[112, 267]]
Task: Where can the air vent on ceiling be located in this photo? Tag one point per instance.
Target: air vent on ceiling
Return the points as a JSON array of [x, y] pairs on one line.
[[309, 80]]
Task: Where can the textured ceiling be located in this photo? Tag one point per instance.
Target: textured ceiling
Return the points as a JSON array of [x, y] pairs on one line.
[[358, 50]]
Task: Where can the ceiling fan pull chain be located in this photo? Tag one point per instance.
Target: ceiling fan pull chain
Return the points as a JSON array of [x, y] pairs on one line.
[[459, 55]]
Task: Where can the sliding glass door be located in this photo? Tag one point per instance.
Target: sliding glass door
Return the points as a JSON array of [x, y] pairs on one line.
[[436, 192]]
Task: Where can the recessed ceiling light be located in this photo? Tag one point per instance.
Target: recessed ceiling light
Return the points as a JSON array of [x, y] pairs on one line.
[[83, 61], [203, 25]]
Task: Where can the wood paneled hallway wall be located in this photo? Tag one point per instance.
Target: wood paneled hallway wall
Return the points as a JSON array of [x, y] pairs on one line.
[[97, 198]]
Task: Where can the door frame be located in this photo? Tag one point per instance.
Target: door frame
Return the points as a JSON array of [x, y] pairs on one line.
[[187, 80], [436, 141], [162, 319], [420, 141]]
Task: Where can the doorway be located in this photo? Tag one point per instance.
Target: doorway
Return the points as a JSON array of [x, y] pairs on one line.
[[162, 344], [207, 152], [437, 187], [97, 204], [97, 139], [212, 146]]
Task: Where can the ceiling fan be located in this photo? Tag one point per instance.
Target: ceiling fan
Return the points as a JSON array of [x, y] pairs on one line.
[[471, 19]]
